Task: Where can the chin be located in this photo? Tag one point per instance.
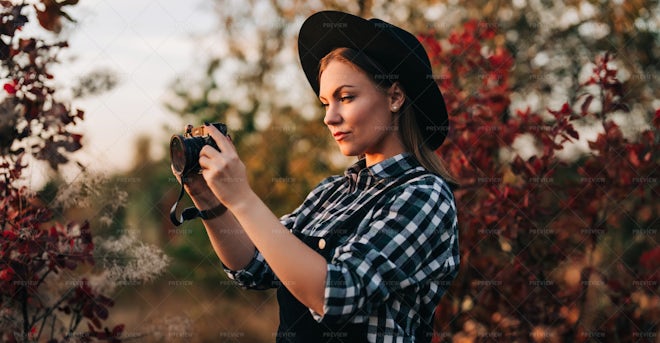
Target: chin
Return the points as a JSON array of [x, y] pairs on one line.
[[349, 152]]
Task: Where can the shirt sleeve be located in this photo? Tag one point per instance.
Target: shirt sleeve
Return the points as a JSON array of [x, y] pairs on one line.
[[409, 247], [258, 274]]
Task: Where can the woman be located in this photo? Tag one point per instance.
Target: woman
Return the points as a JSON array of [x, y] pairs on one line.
[[368, 254]]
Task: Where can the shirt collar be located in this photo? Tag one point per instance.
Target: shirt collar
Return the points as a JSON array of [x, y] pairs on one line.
[[392, 167]]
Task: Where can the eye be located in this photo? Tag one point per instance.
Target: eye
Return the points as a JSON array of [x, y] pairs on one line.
[[324, 105], [346, 98]]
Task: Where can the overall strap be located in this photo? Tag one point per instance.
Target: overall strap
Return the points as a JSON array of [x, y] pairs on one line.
[[363, 210], [350, 223], [326, 197]]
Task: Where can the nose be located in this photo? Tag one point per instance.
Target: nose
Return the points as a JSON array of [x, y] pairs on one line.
[[332, 116]]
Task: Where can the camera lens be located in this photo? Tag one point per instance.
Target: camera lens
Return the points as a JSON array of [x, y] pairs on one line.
[[184, 150], [178, 153]]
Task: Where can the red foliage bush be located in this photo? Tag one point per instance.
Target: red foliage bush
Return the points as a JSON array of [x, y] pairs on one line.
[[552, 249], [32, 246]]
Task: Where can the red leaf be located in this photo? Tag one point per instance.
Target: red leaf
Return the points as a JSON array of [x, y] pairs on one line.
[[585, 105], [7, 274], [10, 88], [612, 131], [118, 330], [433, 47], [651, 259], [96, 322], [50, 16], [633, 158], [619, 106], [101, 311], [502, 59], [572, 132], [489, 219], [9, 235], [615, 285]]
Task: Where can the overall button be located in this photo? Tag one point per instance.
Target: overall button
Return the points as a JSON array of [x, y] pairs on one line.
[[321, 243]]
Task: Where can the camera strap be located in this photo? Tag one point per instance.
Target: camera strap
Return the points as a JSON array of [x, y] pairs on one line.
[[192, 212]]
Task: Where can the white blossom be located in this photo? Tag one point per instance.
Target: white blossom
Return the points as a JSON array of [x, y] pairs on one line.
[[129, 261]]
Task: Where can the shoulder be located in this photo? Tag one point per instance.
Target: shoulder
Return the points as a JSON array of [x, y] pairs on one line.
[[422, 198], [330, 180], [424, 182]]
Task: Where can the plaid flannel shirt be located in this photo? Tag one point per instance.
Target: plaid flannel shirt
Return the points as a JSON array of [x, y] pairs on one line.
[[392, 271]]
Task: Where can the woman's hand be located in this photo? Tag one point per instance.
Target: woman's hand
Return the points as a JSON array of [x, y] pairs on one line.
[[229, 240], [198, 190], [223, 170]]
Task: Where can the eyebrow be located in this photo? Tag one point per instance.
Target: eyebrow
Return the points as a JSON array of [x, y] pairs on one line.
[[337, 90]]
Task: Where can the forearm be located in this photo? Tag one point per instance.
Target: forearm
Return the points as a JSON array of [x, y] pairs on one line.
[[299, 268], [230, 243]]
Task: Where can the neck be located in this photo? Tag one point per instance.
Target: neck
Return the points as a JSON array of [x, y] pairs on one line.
[[374, 158], [389, 147]]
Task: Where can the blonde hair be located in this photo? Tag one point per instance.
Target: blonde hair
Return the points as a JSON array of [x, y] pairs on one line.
[[411, 136]]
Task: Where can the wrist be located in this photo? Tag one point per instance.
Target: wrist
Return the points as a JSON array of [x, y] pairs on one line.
[[199, 193], [204, 201], [246, 202], [213, 212]]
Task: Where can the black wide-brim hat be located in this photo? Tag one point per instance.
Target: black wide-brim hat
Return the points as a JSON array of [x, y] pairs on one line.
[[398, 51]]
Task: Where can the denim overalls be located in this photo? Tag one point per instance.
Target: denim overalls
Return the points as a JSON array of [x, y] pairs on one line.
[[296, 321]]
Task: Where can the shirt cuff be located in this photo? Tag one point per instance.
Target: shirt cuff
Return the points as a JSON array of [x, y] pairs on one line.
[[316, 316], [245, 277]]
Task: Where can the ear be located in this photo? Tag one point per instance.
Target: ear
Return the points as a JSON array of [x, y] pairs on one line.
[[396, 97]]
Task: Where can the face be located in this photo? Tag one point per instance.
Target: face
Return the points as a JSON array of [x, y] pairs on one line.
[[359, 114]]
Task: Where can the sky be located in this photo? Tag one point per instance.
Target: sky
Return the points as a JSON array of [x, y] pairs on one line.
[[146, 44]]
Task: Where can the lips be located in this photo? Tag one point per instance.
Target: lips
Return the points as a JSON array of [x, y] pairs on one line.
[[340, 135]]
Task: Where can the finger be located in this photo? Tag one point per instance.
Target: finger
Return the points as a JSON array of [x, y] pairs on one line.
[[208, 152], [221, 140], [207, 156]]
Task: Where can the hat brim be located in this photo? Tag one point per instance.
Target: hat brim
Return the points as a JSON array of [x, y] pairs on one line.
[[400, 53]]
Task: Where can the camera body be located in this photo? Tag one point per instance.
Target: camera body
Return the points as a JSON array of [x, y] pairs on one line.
[[185, 149]]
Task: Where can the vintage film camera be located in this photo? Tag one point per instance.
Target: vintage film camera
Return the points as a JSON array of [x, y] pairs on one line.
[[185, 149]]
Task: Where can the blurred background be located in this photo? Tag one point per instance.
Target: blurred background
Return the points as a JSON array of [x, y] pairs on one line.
[[142, 69]]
